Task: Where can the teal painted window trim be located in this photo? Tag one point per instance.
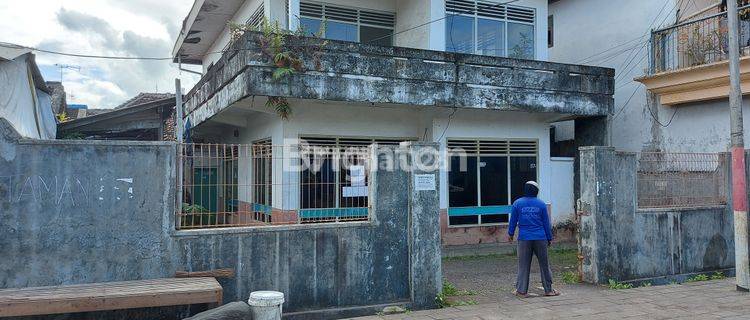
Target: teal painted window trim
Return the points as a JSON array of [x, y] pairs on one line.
[[478, 211], [334, 212], [257, 207]]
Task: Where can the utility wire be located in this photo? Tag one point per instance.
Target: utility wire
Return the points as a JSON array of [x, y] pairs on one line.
[[78, 55], [16, 46]]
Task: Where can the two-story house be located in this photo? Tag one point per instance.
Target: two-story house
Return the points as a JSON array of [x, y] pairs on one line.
[[468, 74], [672, 78]]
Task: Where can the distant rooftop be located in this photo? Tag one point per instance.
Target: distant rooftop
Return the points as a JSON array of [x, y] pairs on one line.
[[144, 97], [77, 106]]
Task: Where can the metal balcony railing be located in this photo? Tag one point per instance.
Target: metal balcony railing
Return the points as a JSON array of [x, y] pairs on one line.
[[696, 42]]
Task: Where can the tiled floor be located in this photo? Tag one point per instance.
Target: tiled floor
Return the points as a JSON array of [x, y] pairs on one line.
[[716, 299]]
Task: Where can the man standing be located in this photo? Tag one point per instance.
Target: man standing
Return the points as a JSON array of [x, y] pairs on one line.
[[534, 236]]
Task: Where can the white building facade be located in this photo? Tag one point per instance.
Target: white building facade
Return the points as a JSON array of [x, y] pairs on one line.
[[496, 98]]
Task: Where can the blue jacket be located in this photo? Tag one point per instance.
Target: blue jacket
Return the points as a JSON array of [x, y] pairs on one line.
[[530, 215]]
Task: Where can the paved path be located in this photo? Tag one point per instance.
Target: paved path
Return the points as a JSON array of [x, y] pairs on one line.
[[700, 300]]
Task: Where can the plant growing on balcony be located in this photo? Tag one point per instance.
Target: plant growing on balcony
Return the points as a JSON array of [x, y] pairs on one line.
[[702, 47], [287, 60]]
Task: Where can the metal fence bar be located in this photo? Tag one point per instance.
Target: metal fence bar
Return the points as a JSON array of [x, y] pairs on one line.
[[696, 42], [675, 180], [234, 185]]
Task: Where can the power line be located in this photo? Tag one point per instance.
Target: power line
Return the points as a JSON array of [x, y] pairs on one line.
[[16, 46], [610, 49], [78, 55], [648, 30]]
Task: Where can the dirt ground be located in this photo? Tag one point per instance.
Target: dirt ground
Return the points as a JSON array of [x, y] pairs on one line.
[[488, 278]]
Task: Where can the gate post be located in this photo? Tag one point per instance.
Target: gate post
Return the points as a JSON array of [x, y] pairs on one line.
[[424, 216]]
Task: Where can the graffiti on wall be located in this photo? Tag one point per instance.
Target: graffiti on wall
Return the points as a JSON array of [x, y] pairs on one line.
[[64, 190]]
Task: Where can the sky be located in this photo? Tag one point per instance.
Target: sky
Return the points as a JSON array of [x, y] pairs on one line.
[[135, 28]]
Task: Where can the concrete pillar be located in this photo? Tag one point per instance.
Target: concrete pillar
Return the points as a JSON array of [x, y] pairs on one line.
[[608, 208], [424, 232]]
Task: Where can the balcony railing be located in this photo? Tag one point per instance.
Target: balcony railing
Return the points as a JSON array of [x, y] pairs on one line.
[[696, 42], [364, 73]]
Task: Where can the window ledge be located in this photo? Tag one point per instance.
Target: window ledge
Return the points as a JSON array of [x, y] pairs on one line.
[[503, 224], [273, 228]]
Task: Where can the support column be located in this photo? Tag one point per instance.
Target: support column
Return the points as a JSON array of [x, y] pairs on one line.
[[424, 216]]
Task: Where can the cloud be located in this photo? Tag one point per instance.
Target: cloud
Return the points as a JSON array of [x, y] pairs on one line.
[[134, 28]]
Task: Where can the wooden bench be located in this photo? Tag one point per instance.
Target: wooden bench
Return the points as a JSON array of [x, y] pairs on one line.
[[109, 296]]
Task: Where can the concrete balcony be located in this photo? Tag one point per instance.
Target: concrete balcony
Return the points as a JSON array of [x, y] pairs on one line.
[[360, 73]]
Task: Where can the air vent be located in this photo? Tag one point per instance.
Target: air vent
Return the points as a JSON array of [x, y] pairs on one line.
[[494, 147], [460, 6], [377, 18], [312, 10], [523, 147], [340, 13], [521, 14], [490, 147], [490, 9]]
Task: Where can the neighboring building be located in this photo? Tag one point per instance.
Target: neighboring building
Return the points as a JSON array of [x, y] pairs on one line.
[[25, 99], [146, 117], [349, 93], [670, 58], [58, 97]]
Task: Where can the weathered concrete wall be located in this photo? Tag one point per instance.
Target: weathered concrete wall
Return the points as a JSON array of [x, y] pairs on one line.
[[92, 211], [623, 243], [84, 211], [345, 71]]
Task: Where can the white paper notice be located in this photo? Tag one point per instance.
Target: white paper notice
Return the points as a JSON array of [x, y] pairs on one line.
[[357, 176], [424, 182], [349, 192]]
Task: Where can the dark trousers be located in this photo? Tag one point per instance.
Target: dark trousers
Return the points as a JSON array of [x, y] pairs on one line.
[[527, 248]]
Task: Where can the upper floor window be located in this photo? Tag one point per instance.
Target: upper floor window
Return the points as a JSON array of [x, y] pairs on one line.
[[488, 28], [347, 24]]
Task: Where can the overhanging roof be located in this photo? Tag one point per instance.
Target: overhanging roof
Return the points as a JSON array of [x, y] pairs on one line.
[[202, 26]]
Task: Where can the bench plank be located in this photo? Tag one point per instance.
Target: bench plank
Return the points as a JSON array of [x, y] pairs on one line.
[[109, 296]]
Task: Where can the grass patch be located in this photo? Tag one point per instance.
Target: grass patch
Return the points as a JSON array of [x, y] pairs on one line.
[[450, 290], [718, 276], [570, 277], [697, 278], [615, 285]]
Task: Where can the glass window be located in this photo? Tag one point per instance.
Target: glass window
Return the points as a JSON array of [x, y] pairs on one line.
[[462, 184], [310, 26], [376, 36], [522, 169], [318, 183], [520, 41], [460, 34], [490, 37], [494, 180], [341, 31]]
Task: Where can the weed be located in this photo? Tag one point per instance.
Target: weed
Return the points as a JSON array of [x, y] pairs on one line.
[[700, 277], [718, 275], [615, 285], [450, 290], [570, 277], [645, 284]]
